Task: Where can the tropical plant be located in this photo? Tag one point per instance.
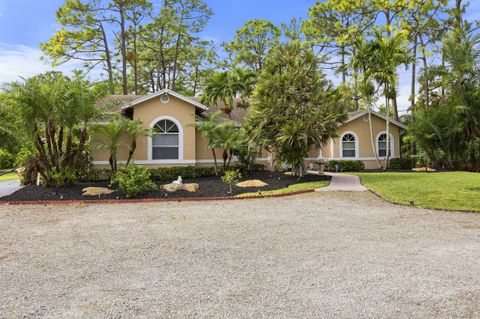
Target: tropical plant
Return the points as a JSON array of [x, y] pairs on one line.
[[231, 177], [225, 87], [109, 138], [135, 129], [294, 107], [133, 180], [55, 112]]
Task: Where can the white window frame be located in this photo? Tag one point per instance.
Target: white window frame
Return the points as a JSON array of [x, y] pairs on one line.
[[357, 142], [180, 141], [392, 145]]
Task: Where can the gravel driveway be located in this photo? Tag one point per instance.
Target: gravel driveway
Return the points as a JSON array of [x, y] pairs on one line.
[[345, 255]]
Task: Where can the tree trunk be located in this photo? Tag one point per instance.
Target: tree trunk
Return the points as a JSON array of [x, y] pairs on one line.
[[372, 141], [108, 60], [425, 75], [215, 161], [123, 49], [387, 111]]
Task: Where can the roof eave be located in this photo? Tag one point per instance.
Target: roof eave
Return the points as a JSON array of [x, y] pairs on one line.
[[168, 91]]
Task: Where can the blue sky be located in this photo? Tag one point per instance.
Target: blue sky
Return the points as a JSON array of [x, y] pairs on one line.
[[24, 24]]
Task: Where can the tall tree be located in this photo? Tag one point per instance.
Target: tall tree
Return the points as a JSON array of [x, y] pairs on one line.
[[252, 43], [82, 37], [294, 108]]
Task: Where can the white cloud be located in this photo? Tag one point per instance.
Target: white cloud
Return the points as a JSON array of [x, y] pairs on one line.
[[18, 61]]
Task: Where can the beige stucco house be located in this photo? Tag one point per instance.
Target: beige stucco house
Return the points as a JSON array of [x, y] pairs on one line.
[[179, 143]]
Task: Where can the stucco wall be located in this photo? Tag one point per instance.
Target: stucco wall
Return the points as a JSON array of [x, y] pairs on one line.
[[151, 111], [360, 128]]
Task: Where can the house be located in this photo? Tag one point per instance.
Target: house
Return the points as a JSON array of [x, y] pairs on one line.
[[179, 143]]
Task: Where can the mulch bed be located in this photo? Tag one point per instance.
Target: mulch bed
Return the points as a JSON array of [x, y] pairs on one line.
[[210, 187]]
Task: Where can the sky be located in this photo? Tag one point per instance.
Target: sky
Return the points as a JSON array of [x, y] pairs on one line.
[[25, 24]]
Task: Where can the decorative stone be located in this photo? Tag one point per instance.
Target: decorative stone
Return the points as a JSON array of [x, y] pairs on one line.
[[423, 169], [173, 187], [96, 191], [252, 183]]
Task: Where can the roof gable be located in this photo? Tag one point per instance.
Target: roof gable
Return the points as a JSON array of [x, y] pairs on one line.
[[169, 92], [355, 115]]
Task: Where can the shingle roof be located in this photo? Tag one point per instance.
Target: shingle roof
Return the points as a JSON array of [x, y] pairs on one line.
[[114, 103]]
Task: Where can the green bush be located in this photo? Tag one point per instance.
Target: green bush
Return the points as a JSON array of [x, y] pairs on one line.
[[231, 177], [22, 156], [171, 173], [345, 165], [7, 160], [133, 180], [95, 175], [400, 163]]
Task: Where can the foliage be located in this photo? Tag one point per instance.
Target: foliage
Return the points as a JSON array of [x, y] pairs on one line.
[[154, 46], [290, 189], [232, 88], [55, 112], [187, 172], [400, 163], [252, 43], [294, 107], [133, 180], [7, 160], [109, 138], [231, 177], [449, 130], [223, 135], [446, 190], [345, 165]]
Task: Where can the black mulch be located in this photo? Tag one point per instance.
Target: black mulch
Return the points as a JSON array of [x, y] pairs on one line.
[[209, 187]]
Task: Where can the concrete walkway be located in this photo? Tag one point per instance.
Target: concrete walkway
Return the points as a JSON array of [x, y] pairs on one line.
[[9, 187], [343, 183]]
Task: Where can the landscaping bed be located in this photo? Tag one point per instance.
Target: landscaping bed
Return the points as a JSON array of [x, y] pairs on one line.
[[209, 187]]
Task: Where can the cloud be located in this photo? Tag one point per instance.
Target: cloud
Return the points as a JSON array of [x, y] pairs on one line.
[[18, 61]]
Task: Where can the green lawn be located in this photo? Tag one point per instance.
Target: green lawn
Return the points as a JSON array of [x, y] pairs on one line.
[[290, 189], [447, 190], [8, 177]]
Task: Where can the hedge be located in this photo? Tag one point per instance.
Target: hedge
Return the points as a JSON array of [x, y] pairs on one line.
[[167, 173], [400, 163], [345, 165], [7, 160]]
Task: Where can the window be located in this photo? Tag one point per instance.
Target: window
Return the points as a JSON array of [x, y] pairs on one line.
[[166, 142], [382, 145], [348, 145]]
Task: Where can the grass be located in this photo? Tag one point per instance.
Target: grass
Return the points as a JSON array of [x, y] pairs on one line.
[[8, 177], [289, 189], [444, 190]]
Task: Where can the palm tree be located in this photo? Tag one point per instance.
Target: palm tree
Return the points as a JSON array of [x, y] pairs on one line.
[[207, 126], [379, 59], [109, 138], [227, 138], [135, 129], [224, 87]]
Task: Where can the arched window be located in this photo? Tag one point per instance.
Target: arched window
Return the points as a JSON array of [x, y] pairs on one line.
[[166, 141], [382, 145], [349, 145]]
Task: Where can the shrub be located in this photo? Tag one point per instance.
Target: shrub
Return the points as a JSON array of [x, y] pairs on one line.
[[231, 177], [243, 168], [400, 163], [6, 159], [95, 175], [22, 156], [345, 165], [171, 173], [134, 180]]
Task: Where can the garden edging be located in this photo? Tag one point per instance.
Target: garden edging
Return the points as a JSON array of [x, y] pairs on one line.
[[151, 200]]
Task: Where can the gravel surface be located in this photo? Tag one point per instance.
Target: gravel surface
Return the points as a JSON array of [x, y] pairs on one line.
[[345, 255]]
